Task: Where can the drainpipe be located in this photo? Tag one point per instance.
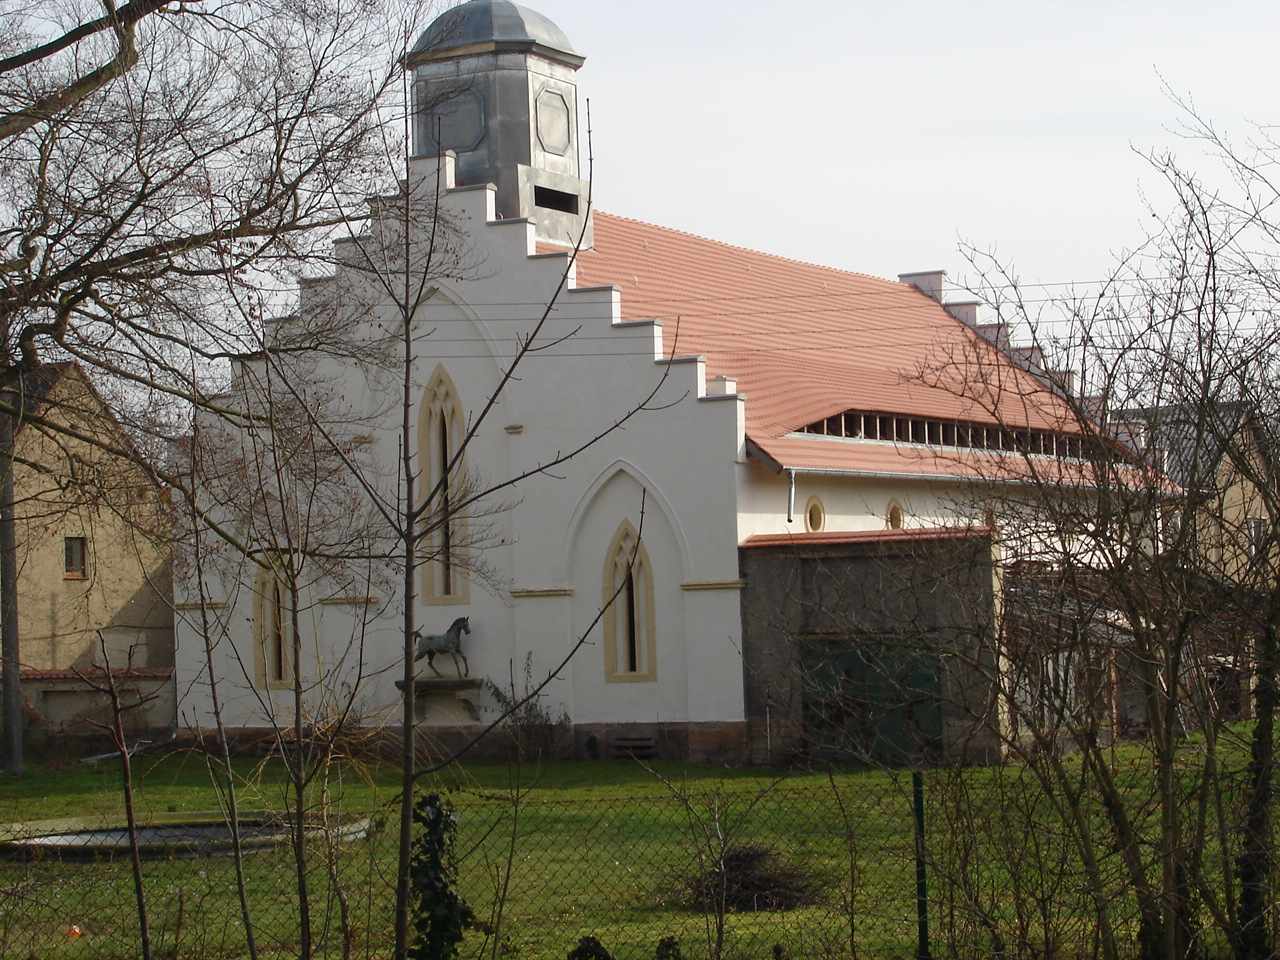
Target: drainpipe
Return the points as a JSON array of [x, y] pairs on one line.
[[791, 495]]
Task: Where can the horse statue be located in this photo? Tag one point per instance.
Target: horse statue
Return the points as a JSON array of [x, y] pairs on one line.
[[449, 642]]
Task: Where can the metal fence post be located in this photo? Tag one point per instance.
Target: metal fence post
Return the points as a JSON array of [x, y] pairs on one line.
[[922, 883]]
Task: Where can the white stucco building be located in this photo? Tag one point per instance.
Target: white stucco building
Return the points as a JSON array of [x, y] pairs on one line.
[[784, 403]]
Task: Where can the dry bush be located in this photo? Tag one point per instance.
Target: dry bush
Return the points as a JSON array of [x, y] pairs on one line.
[[750, 877]]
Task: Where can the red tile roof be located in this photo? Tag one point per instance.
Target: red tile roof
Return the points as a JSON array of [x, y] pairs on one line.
[[807, 341]]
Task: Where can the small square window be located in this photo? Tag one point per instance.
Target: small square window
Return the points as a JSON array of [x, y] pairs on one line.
[[1257, 529], [75, 558]]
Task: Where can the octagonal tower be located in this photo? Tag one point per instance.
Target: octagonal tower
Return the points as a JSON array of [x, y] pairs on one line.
[[495, 82]]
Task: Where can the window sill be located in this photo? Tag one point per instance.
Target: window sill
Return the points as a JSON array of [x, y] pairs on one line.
[[631, 677], [75, 576], [453, 600]]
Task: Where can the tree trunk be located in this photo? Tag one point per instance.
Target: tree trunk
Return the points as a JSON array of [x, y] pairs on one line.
[[297, 774], [408, 531], [408, 738], [228, 775], [9, 604], [1253, 866], [131, 819]]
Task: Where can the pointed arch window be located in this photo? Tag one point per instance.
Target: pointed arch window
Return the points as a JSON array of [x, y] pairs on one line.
[[630, 648], [273, 631], [440, 433]]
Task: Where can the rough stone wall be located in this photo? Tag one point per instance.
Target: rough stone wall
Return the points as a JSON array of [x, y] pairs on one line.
[[927, 606], [64, 706]]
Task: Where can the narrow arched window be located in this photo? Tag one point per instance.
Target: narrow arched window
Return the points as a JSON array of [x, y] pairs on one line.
[[276, 640], [444, 455], [273, 630], [630, 640], [440, 433]]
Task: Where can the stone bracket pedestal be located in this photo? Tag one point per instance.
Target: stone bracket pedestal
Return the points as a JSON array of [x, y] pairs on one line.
[[437, 699]]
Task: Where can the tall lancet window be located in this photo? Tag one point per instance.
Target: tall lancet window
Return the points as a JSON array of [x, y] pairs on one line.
[[440, 433], [273, 631], [630, 648]]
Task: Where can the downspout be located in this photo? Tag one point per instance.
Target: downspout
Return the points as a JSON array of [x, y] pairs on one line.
[[791, 495]]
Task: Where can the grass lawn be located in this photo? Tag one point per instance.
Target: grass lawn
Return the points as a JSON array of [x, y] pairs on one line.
[[597, 848], [181, 782], [600, 849]]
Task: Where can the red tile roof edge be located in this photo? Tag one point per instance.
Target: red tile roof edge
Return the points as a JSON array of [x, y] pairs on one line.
[[865, 536]]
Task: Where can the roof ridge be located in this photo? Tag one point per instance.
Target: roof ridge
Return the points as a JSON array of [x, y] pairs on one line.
[[745, 249]]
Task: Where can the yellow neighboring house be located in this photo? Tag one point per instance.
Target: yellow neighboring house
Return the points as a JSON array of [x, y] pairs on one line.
[[1239, 529], [94, 577], [1236, 541]]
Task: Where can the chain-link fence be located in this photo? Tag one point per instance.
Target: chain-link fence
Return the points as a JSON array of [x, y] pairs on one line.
[[835, 868]]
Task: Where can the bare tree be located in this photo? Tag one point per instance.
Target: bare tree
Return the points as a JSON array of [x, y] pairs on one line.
[[160, 209], [163, 165], [1125, 481]]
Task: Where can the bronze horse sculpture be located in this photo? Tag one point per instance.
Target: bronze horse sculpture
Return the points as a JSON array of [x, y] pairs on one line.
[[449, 642]]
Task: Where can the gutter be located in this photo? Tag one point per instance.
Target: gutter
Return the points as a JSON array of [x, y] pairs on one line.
[[755, 451]]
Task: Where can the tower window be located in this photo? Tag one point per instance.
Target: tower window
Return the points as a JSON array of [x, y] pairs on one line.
[[550, 199], [75, 551]]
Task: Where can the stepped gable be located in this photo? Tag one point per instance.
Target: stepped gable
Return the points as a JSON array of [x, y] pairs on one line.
[[806, 341]]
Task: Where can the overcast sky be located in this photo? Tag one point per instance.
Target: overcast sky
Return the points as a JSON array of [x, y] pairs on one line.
[[875, 136]]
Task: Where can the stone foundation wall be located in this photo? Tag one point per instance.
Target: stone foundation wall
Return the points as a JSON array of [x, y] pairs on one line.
[[724, 743], [721, 743], [61, 704]]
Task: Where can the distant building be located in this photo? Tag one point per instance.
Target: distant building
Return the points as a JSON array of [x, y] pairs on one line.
[[1216, 524], [92, 564]]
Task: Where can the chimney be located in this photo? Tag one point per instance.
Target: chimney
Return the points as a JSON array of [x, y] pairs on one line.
[[1064, 380], [928, 282], [997, 333], [1030, 358], [966, 311]]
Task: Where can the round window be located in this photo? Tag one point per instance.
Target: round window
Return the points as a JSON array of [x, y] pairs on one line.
[[895, 517], [815, 517]]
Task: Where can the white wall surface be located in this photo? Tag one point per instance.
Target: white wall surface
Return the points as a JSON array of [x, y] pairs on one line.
[[547, 534]]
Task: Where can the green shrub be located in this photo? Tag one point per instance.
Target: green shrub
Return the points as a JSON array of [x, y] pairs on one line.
[[440, 915], [589, 948]]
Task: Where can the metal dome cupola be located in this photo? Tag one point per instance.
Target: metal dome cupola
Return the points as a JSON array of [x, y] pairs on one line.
[[495, 25], [496, 83]]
